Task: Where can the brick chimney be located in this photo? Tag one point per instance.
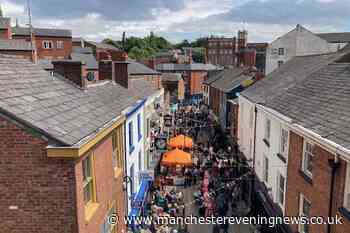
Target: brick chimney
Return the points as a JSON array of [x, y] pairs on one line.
[[75, 71], [120, 72]]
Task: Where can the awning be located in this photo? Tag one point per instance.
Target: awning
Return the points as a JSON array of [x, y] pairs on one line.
[[177, 158], [181, 141]]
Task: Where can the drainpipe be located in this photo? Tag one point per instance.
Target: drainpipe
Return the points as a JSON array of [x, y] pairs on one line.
[[334, 164]]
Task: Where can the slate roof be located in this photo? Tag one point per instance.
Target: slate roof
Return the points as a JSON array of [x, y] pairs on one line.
[[185, 67], [46, 64], [340, 37], [76, 49], [213, 75], [171, 77], [88, 58], [17, 45], [136, 68], [289, 74], [4, 22], [320, 103], [102, 45], [50, 32], [58, 109], [230, 78]]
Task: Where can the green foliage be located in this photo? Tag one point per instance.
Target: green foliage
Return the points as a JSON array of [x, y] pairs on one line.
[[149, 46]]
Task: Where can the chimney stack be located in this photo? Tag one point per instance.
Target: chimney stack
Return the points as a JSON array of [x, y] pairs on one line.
[[120, 72], [75, 71]]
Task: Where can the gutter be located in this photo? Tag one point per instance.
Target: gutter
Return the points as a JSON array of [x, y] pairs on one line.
[[84, 145], [321, 141]]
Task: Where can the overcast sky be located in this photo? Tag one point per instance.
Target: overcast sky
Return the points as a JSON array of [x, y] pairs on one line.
[[183, 19]]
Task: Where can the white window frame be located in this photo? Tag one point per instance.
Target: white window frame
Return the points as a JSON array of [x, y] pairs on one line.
[[284, 148], [266, 169], [281, 53], [281, 191], [47, 42], [280, 63], [59, 44], [307, 153], [302, 199], [267, 135], [346, 203]]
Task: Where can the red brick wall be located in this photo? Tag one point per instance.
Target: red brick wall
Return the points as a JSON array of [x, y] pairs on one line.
[[196, 82], [74, 71], [42, 188], [318, 193], [214, 100], [53, 53], [105, 70], [108, 189]]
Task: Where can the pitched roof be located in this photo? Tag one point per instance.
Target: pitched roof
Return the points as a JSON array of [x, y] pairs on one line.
[[320, 103], [185, 67], [4, 22], [55, 107], [46, 64], [136, 68], [228, 79], [50, 32], [213, 75], [102, 45], [77, 49], [289, 74], [17, 45], [87, 58], [340, 37], [171, 77]]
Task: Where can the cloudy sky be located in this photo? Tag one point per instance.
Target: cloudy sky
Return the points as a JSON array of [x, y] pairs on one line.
[[183, 19]]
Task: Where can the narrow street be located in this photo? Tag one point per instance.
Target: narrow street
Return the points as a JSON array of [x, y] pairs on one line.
[[198, 228]]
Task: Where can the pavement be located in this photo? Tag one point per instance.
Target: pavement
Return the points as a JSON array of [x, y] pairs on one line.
[[192, 209]]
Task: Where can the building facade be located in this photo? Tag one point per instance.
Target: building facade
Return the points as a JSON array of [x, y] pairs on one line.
[[298, 42]]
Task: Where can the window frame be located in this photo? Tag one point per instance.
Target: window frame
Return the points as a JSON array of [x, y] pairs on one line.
[[284, 151], [131, 136], [266, 169], [117, 147], [139, 127], [302, 200], [281, 192], [267, 133], [280, 63], [89, 181], [60, 44], [281, 53], [304, 166], [47, 42]]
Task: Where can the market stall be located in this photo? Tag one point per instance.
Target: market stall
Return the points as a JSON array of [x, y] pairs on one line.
[[175, 162], [181, 141]]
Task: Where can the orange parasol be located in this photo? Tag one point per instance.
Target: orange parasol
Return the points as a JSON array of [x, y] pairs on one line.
[[181, 141], [177, 157]]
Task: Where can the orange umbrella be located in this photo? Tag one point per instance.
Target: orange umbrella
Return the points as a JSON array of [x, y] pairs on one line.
[[177, 157], [181, 141]]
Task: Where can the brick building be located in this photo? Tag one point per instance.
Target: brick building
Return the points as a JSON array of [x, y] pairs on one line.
[[174, 88], [103, 51], [317, 181], [49, 43], [221, 51], [67, 158], [17, 47], [284, 121], [193, 75]]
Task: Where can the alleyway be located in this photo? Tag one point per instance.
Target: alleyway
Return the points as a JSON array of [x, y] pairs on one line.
[[193, 210]]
